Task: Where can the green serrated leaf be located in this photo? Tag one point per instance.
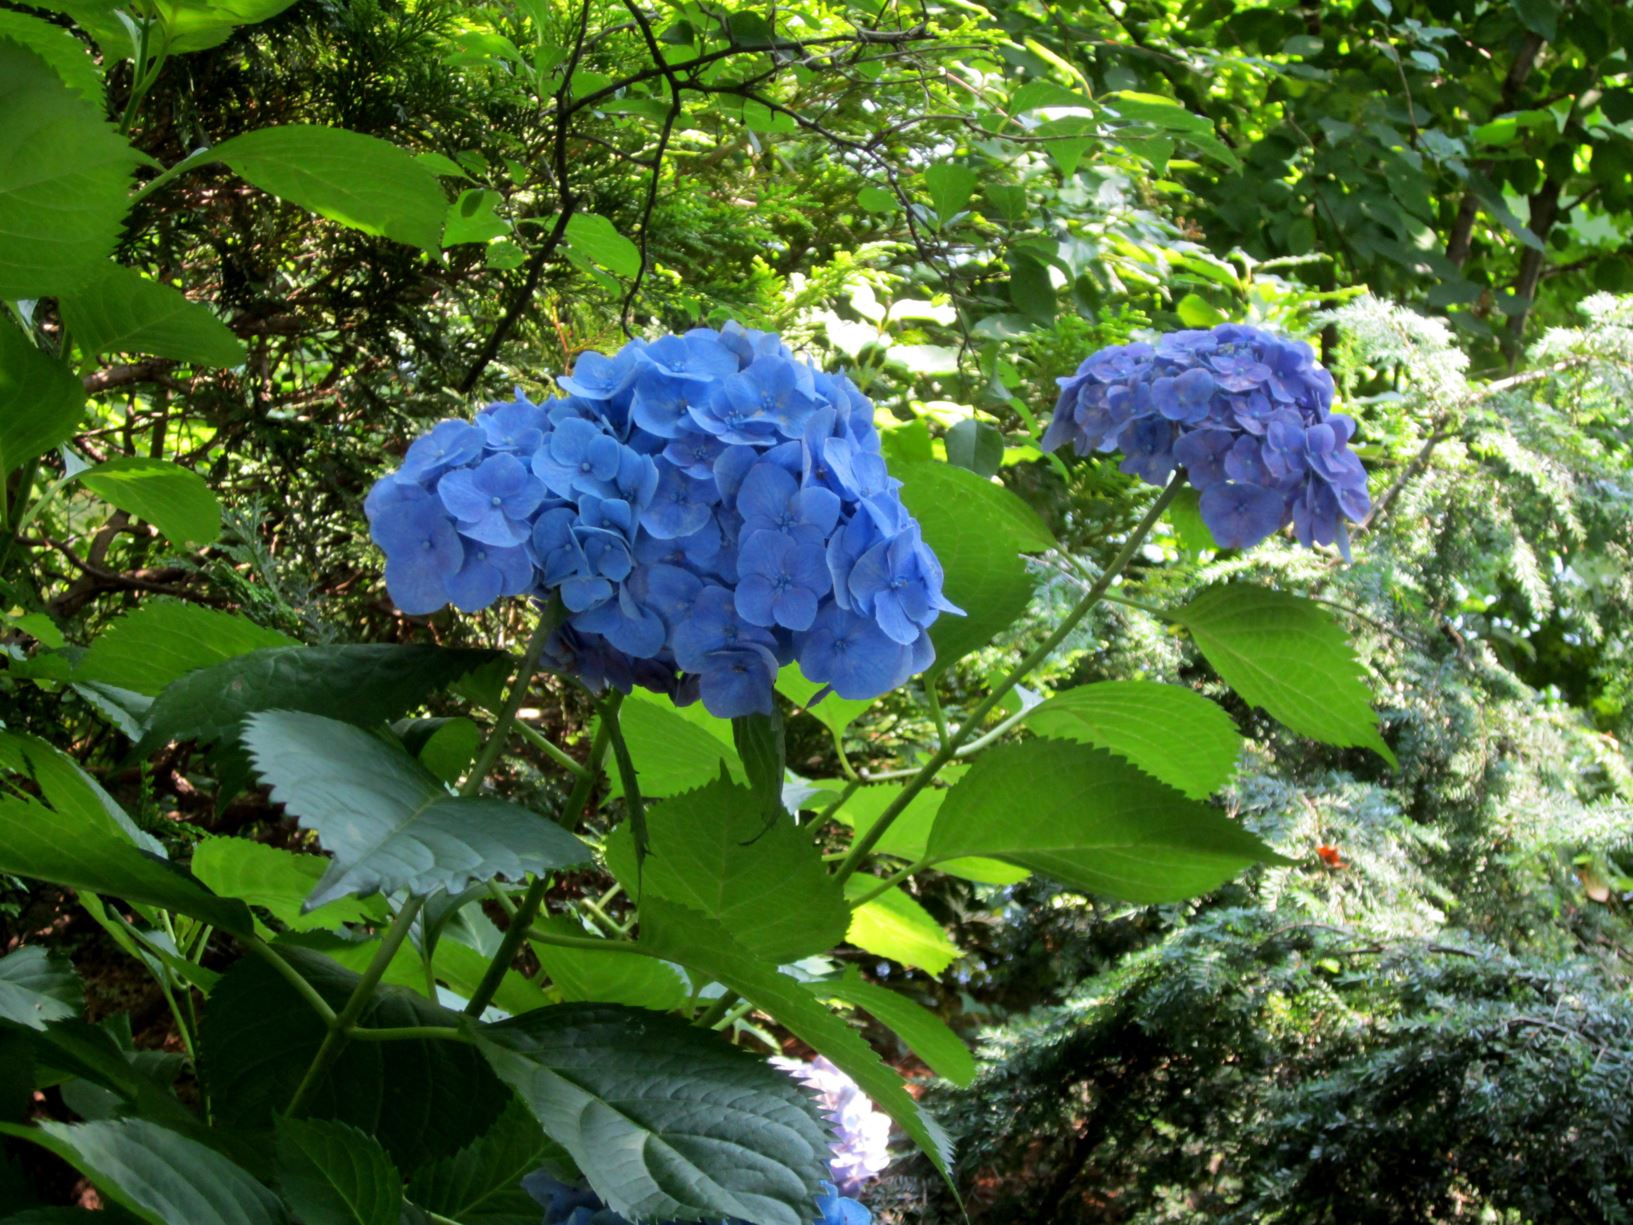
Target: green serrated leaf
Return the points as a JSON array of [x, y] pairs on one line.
[[909, 833], [197, 25], [36, 989], [598, 240], [172, 498], [49, 845], [158, 1174], [1093, 822], [832, 711], [713, 850], [695, 941], [143, 651], [359, 181], [978, 530], [69, 58], [276, 880], [124, 312], [1168, 731], [332, 1174], [665, 1119], [610, 976], [675, 749], [893, 925], [121, 311], [360, 683], [482, 1183], [388, 822], [926, 1034], [40, 399], [422, 1099], [64, 178], [64, 785], [1289, 656], [760, 747]]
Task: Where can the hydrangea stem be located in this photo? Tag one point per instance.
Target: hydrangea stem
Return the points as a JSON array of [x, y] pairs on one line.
[[342, 1026], [340, 1029], [548, 621], [517, 929], [864, 844]]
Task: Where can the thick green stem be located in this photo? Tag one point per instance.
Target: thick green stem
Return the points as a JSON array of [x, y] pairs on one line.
[[891, 881], [342, 1026], [548, 621], [517, 929], [588, 943], [864, 844], [411, 1033]]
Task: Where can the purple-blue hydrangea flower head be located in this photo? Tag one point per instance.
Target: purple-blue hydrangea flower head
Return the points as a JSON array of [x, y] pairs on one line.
[[1247, 415], [708, 508]]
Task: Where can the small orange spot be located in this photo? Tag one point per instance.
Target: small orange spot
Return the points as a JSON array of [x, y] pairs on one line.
[[1329, 855]]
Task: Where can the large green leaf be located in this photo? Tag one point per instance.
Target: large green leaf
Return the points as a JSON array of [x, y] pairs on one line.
[[608, 976], [63, 785], [276, 880], [36, 989], [1289, 656], [363, 684], [978, 531], [145, 650], [332, 1174], [1168, 731], [714, 850], [594, 238], [196, 25], [1093, 822], [54, 846], [482, 1183], [385, 818], [421, 1099], [909, 833], [160, 1175], [172, 498], [359, 181], [674, 750], [64, 175], [69, 58], [893, 925], [40, 399], [697, 942], [121, 311], [832, 711], [665, 1119], [924, 1032]]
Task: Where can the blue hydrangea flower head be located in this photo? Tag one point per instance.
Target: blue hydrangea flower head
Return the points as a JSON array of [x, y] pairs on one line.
[[708, 508], [569, 1204], [1246, 414]]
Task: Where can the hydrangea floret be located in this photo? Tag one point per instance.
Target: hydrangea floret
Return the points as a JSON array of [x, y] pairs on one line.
[[575, 1204], [708, 508], [861, 1144], [1247, 415]]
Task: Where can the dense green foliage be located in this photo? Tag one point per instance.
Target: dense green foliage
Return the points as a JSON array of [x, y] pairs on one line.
[[248, 252]]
